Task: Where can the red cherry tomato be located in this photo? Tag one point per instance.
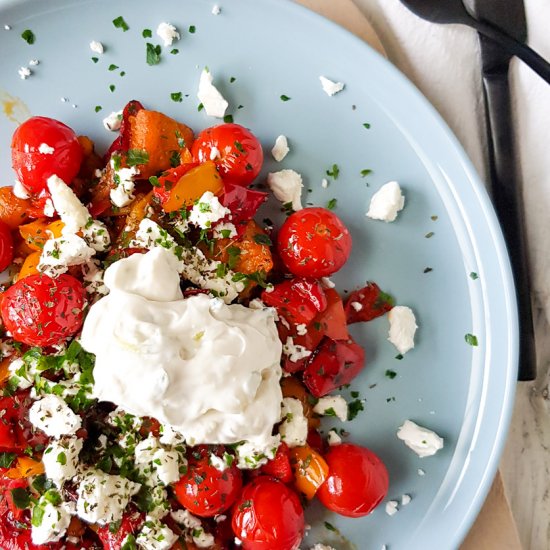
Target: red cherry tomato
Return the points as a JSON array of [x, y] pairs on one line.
[[333, 364], [41, 311], [242, 202], [204, 490], [130, 523], [314, 242], [279, 467], [268, 515], [298, 300], [6, 246], [357, 481], [33, 165], [240, 153], [373, 303]]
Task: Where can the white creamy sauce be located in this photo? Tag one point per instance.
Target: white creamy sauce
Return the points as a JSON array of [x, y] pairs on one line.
[[209, 370]]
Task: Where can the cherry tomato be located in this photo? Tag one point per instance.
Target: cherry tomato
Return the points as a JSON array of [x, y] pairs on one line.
[[333, 364], [372, 301], [240, 155], [6, 246], [41, 311], [357, 481], [298, 300], [279, 467], [41, 147], [204, 490], [314, 242], [268, 515], [130, 523]]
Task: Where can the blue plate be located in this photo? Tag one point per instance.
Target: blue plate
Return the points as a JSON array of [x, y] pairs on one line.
[[275, 48]]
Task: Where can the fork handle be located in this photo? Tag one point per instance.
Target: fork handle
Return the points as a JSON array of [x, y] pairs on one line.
[[514, 47], [506, 190]]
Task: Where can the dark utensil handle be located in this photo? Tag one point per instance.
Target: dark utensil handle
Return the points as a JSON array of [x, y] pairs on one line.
[[513, 47], [506, 191]]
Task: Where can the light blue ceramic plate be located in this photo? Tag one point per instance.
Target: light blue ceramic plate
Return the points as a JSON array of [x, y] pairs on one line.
[[275, 48]]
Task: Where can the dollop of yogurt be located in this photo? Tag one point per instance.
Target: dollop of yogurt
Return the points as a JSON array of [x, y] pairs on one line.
[[209, 370]]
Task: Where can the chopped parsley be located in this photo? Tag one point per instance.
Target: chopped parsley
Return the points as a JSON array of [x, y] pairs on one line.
[[120, 23], [471, 339], [174, 51], [391, 374], [429, 235], [261, 238], [137, 156], [333, 172], [95, 59], [232, 79], [62, 458], [153, 54], [147, 33], [474, 276], [113, 67], [20, 498], [192, 29], [228, 119], [331, 527], [176, 96], [366, 125], [427, 269], [285, 98], [399, 356], [331, 204], [366, 172], [7, 459], [354, 408], [112, 87], [28, 36], [98, 108]]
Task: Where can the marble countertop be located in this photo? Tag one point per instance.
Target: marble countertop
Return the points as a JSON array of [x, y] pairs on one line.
[[453, 85]]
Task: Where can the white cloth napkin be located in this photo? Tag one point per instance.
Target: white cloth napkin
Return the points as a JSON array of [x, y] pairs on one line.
[[443, 61]]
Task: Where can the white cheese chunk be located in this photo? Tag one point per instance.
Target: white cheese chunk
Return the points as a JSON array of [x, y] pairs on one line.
[[154, 535], [123, 193], [194, 526], [280, 149], [330, 87], [45, 149], [60, 459], [157, 464], [422, 441], [287, 186], [253, 454], [62, 252], [212, 100], [72, 212], [294, 351], [405, 499], [102, 498], [20, 191], [54, 417], [216, 10], [225, 230], [402, 328], [96, 47], [54, 523], [49, 210], [113, 121], [386, 202], [320, 546], [332, 405], [24, 73], [294, 429], [392, 507], [333, 438], [167, 33], [96, 235], [207, 211]]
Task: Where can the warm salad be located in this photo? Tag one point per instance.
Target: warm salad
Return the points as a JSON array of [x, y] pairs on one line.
[[167, 358]]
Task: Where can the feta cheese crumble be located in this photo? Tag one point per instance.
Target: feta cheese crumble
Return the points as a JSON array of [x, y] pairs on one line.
[[332, 405], [20, 191], [102, 498], [167, 33], [72, 212], [54, 417], [113, 121], [216, 10], [62, 252], [123, 193], [402, 328], [422, 441], [392, 507], [294, 351], [60, 459], [97, 47], [207, 211], [333, 438], [194, 526], [280, 149], [154, 535], [212, 100], [386, 202], [405, 499], [24, 73], [287, 186], [55, 519], [156, 463], [294, 429], [330, 87], [45, 149]]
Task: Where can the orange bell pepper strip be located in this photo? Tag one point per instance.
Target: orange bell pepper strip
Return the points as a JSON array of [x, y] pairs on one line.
[[25, 467], [192, 185], [4, 371], [13, 211], [310, 470], [30, 265], [34, 233]]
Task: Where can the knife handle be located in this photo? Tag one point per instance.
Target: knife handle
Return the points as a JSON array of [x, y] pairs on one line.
[[513, 47], [506, 190]]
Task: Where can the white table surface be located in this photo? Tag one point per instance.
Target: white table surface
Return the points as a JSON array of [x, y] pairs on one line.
[[443, 61]]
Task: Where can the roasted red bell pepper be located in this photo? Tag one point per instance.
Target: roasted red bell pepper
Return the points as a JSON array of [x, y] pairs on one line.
[[279, 467], [367, 303]]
